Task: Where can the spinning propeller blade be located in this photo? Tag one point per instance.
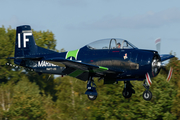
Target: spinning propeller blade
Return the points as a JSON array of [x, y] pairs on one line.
[[170, 74], [158, 43], [148, 79]]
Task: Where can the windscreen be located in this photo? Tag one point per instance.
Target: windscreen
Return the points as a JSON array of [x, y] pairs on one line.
[[111, 43]]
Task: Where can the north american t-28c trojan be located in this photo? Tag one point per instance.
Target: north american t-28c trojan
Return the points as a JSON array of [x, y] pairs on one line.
[[110, 59]]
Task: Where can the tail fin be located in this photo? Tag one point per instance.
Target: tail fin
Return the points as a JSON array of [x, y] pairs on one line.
[[25, 44], [26, 47]]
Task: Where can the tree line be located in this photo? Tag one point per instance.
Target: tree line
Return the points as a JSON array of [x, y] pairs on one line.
[[26, 95]]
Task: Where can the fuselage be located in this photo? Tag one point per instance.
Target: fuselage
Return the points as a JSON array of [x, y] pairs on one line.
[[111, 59], [134, 63]]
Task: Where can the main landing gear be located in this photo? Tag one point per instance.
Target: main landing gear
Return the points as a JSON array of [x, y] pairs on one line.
[[128, 90], [147, 95], [91, 92]]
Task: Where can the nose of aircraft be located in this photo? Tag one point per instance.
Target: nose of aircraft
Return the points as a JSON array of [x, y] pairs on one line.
[[156, 65]]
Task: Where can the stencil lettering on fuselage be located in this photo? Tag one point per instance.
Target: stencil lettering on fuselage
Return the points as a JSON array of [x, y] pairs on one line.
[[39, 64], [45, 64]]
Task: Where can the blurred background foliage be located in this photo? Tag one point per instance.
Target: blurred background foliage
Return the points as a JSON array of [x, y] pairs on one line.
[[27, 95]]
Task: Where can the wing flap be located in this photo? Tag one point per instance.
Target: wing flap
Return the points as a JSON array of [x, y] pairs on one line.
[[80, 74]]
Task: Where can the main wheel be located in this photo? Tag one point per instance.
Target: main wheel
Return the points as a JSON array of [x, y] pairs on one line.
[[92, 97], [147, 95], [127, 93]]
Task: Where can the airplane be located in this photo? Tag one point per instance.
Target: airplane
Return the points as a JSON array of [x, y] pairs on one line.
[[110, 59]]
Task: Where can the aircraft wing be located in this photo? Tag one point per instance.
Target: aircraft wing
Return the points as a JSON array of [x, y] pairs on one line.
[[166, 56], [77, 68]]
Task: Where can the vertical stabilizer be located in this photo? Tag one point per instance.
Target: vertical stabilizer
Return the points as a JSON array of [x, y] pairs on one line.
[[25, 43]]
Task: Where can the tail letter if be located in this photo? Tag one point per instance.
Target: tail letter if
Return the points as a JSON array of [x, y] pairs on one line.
[[24, 39], [19, 40]]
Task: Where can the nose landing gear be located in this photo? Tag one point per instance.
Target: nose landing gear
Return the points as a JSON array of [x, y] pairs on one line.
[[147, 95], [91, 92]]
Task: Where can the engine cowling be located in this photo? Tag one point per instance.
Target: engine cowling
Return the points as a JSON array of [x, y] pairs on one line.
[[156, 65]]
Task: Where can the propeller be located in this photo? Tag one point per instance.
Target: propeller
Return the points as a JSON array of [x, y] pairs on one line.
[[168, 72], [158, 44], [148, 79], [157, 64]]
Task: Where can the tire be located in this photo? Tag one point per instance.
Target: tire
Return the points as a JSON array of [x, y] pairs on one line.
[[92, 97], [127, 93], [147, 95]]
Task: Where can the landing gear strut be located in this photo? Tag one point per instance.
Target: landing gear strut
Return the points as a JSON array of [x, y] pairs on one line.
[[147, 95], [91, 92], [128, 90]]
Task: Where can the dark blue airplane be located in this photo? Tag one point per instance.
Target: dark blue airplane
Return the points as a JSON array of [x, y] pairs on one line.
[[110, 59]]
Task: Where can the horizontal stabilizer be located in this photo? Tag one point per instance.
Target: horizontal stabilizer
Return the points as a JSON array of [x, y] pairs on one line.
[[27, 58]]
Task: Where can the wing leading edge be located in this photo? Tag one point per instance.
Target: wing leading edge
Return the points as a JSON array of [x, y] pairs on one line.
[[166, 56]]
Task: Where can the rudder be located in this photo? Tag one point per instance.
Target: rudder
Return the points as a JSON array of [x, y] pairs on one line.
[[25, 43]]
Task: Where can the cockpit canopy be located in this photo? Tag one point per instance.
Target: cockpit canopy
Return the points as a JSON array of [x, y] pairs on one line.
[[114, 43]]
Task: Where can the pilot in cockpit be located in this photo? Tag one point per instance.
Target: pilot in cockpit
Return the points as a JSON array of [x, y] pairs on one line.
[[118, 45]]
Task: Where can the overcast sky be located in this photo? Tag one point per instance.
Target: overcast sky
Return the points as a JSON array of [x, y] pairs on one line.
[[76, 23]]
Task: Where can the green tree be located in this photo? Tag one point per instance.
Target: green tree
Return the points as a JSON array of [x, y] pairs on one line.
[[46, 40], [7, 39], [6, 93], [72, 101], [175, 64], [27, 103], [112, 105], [13, 75], [28, 95]]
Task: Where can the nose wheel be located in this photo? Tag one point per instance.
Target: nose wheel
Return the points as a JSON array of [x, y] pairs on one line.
[[92, 97], [91, 89], [147, 95]]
